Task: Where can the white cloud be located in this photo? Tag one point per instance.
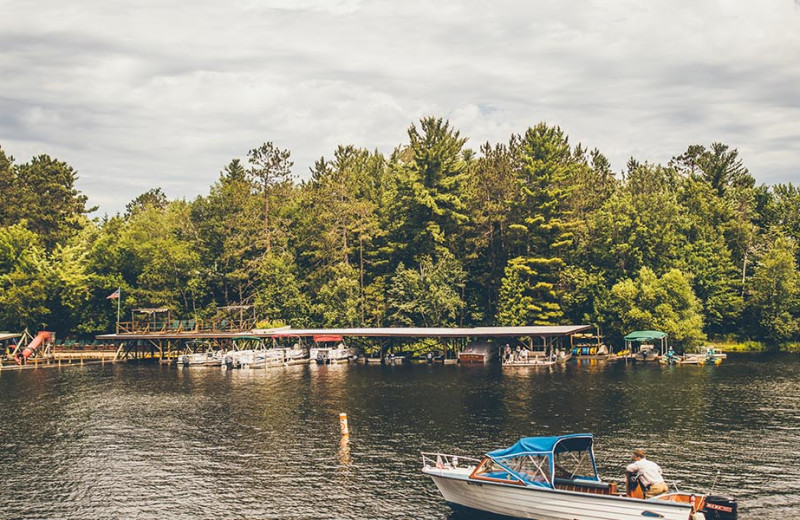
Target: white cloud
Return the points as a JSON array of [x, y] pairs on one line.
[[146, 94]]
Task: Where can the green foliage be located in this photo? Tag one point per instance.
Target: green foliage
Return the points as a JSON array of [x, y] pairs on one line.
[[648, 302], [541, 227], [339, 299], [428, 207], [280, 297], [270, 167], [42, 193], [532, 231], [428, 296], [775, 292], [25, 279]]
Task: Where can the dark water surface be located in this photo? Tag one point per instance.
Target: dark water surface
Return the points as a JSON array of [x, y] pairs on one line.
[[156, 442]]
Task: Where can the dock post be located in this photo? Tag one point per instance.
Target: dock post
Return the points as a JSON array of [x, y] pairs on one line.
[[343, 424]]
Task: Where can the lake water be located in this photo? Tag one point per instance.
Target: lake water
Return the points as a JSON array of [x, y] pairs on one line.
[[147, 441]]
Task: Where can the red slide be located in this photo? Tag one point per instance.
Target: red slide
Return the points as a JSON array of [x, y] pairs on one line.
[[28, 351]]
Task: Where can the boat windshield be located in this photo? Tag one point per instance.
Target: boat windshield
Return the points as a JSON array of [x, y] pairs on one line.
[[574, 463], [490, 469], [533, 469], [546, 459]]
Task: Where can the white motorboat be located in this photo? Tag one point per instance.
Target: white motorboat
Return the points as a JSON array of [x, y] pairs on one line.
[[555, 478], [201, 355], [337, 352], [294, 356], [643, 347], [247, 352]]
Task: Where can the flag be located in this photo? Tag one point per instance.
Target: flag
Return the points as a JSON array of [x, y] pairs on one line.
[[113, 296]]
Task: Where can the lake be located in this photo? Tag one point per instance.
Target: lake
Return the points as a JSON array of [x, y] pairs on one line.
[[147, 441]]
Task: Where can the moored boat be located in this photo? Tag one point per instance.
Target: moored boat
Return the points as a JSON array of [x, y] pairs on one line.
[[646, 345], [477, 353], [201, 354], [330, 349], [555, 478], [246, 351], [288, 349]]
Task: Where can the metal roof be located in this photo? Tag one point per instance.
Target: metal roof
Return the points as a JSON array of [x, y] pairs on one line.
[[441, 332], [381, 332]]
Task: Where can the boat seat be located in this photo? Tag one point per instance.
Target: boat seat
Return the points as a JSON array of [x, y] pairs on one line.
[[586, 486]]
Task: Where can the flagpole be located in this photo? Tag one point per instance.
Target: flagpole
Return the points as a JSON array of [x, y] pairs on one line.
[[119, 297]]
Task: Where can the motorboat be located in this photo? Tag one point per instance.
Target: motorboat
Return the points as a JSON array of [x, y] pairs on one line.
[[705, 356], [399, 358], [246, 352], [287, 349], [201, 355], [523, 357], [643, 347], [294, 355], [712, 355], [330, 349], [555, 478], [477, 353]]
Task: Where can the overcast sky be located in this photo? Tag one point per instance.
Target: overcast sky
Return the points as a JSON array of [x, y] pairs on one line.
[[153, 93]]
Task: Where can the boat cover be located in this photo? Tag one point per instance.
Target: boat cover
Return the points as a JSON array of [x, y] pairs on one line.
[[322, 338], [645, 335], [551, 448], [545, 445]]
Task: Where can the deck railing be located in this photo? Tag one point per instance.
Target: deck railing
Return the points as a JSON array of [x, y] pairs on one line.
[[170, 326], [445, 461]]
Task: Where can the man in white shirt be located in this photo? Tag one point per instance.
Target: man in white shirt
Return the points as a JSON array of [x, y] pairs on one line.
[[648, 473]]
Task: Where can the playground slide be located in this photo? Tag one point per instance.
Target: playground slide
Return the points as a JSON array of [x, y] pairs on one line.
[[37, 342]]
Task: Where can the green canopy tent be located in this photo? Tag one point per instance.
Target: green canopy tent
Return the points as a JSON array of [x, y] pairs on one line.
[[645, 336]]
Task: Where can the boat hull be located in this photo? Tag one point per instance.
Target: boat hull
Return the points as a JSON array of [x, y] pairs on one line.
[[547, 504]]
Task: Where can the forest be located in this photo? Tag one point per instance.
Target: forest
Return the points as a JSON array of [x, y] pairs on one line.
[[532, 231]]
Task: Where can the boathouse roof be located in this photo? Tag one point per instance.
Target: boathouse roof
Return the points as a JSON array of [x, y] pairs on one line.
[[377, 332]]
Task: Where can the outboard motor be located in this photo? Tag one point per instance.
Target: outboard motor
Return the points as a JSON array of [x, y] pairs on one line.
[[720, 508]]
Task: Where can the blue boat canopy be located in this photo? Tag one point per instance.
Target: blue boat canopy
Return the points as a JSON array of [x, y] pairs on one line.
[[541, 461], [545, 445]]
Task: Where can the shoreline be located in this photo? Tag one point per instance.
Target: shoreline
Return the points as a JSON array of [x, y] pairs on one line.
[[753, 346]]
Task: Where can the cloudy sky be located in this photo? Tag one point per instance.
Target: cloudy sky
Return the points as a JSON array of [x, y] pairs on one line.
[[144, 94]]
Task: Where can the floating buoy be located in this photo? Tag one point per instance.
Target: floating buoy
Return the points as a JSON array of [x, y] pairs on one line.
[[343, 424]]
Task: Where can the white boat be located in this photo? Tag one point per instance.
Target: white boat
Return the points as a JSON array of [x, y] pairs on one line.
[[543, 355], [527, 358], [555, 478], [282, 354], [642, 346], [323, 354], [330, 355], [202, 355], [246, 352], [294, 356]]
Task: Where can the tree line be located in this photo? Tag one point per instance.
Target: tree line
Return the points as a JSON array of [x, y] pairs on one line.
[[532, 231]]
